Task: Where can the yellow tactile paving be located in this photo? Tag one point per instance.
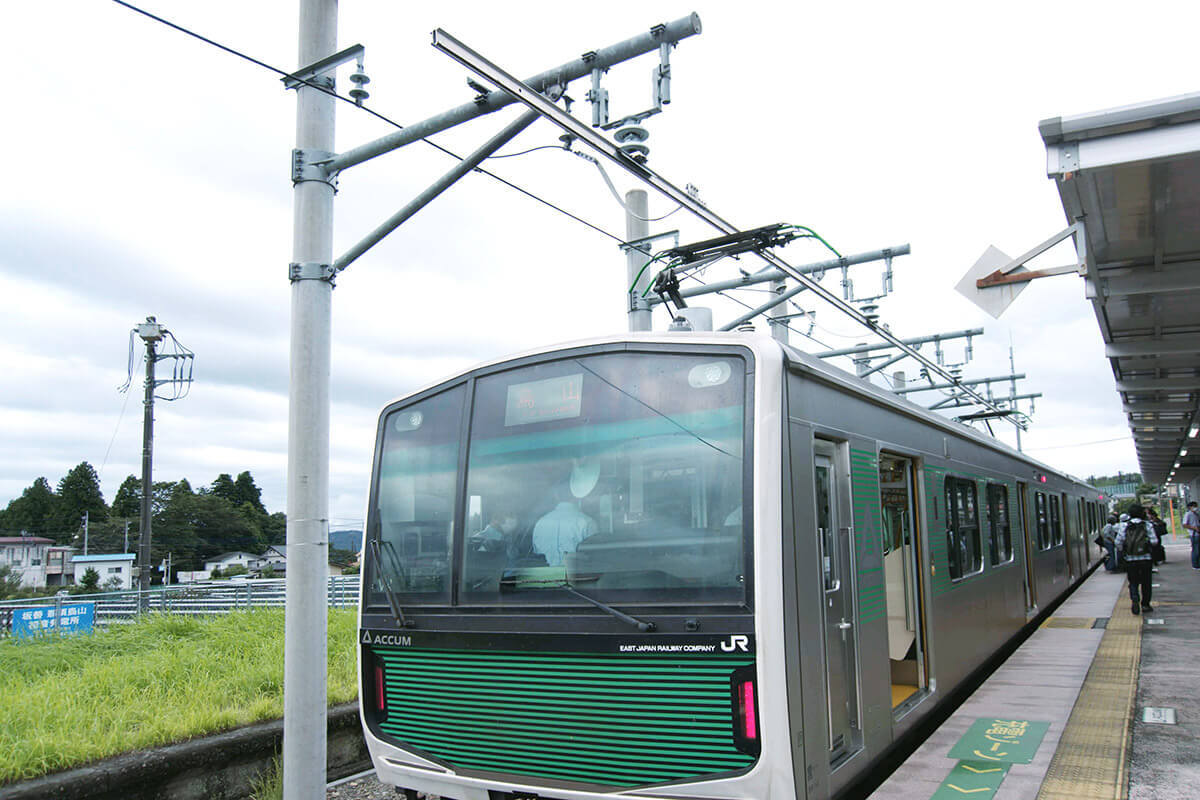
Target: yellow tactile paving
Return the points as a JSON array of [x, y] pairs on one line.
[[1093, 754]]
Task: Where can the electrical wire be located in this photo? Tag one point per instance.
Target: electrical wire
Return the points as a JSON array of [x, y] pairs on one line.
[[1081, 444], [351, 101], [527, 152], [612, 188], [116, 429]]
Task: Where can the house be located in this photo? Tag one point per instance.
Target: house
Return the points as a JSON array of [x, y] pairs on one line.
[[275, 557], [110, 566], [227, 560], [59, 571], [26, 555]]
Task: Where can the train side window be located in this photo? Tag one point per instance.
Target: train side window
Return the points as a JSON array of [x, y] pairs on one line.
[[1055, 521], [999, 530], [1043, 520], [963, 547]]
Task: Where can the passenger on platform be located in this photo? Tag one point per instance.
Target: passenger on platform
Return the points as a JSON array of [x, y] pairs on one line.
[[1122, 521], [1160, 530], [1135, 541], [1191, 521], [1109, 535]]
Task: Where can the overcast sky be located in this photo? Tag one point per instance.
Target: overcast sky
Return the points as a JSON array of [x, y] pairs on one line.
[[147, 173]]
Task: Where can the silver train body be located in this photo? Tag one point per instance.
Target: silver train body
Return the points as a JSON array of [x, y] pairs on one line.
[[848, 559]]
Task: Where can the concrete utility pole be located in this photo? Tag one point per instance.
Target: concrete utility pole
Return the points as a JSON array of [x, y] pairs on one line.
[[151, 333], [637, 226], [304, 671]]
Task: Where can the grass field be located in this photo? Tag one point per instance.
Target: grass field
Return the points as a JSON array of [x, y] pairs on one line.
[[66, 702]]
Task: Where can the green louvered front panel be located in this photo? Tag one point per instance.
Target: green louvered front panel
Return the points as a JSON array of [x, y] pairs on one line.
[[617, 720]]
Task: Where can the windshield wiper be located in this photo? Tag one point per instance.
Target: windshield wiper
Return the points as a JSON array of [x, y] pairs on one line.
[[393, 603], [644, 627]]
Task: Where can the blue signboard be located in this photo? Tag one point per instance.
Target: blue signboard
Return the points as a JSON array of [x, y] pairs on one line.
[[38, 620]]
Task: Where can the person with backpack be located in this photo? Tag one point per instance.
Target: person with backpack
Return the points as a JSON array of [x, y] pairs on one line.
[[1134, 542]]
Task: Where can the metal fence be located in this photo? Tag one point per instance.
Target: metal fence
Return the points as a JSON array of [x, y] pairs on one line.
[[193, 599]]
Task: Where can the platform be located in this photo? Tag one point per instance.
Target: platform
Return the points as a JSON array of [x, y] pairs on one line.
[[1100, 677]]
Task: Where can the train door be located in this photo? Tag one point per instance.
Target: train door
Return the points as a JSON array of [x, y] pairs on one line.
[[1030, 549], [1069, 536], [837, 569], [902, 573]]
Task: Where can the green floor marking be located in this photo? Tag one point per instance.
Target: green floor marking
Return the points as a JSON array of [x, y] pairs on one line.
[[977, 780], [1000, 741]]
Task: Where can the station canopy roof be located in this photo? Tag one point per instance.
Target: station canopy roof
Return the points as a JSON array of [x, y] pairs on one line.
[[1132, 175]]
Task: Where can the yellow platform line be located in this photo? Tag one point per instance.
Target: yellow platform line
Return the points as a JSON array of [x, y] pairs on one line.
[[1093, 754]]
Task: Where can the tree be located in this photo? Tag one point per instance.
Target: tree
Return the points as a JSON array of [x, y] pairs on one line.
[[248, 492], [33, 510], [90, 579], [128, 500], [224, 487], [274, 528], [10, 582], [78, 492]]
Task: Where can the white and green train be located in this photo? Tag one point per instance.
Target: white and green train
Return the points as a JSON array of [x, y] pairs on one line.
[[686, 566]]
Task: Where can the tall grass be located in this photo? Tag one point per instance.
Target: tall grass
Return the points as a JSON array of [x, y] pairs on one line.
[[66, 702]]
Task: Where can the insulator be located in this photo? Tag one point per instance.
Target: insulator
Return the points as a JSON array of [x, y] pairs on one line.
[[637, 151], [632, 133], [359, 78]]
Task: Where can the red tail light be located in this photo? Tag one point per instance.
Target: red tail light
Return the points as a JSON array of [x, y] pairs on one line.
[[380, 702], [747, 712]]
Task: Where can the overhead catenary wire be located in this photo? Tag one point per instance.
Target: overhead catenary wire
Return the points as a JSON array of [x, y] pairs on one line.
[[355, 104], [1080, 444]]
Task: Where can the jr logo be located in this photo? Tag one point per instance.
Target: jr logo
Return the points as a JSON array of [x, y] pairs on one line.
[[736, 642]]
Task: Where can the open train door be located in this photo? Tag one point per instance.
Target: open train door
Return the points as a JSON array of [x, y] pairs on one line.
[[905, 590]]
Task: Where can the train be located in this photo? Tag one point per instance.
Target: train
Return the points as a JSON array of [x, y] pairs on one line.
[[686, 565]]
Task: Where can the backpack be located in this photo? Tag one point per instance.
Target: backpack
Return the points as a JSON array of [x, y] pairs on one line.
[[1137, 540]]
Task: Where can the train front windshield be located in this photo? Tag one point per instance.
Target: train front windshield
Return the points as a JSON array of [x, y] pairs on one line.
[[621, 476]]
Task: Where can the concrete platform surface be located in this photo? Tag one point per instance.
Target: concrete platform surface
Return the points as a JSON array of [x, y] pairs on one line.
[[1043, 680]]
